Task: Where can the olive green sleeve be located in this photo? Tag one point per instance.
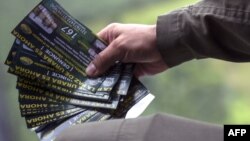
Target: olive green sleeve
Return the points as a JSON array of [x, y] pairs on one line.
[[209, 29]]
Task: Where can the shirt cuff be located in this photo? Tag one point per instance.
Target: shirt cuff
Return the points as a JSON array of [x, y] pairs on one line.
[[169, 39]]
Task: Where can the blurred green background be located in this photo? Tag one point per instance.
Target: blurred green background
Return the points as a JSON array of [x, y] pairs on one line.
[[208, 90]]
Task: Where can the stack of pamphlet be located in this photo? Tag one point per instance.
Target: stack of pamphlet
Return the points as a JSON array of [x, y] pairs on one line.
[[49, 57]]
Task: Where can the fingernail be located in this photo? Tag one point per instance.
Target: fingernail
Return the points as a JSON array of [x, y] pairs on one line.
[[91, 69]]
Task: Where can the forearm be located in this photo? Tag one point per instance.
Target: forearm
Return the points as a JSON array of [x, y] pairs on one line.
[[212, 28]]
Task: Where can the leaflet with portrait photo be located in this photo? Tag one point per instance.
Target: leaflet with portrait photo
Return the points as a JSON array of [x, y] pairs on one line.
[[59, 39]]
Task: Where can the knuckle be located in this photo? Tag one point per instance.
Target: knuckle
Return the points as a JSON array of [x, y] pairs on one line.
[[113, 25]]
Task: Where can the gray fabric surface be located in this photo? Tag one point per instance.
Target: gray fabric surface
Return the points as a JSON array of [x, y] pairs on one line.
[[160, 127]]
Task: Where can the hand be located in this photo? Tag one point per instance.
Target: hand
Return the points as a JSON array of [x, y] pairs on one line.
[[129, 43]]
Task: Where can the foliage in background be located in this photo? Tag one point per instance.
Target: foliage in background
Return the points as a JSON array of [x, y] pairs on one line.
[[207, 90]]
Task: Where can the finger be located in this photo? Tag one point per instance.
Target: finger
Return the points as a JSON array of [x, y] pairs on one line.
[[105, 59], [103, 34], [108, 34]]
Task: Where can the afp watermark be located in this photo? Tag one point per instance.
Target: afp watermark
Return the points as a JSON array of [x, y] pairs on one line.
[[236, 132]]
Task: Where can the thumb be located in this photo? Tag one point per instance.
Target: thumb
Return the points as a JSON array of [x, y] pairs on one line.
[[105, 59]]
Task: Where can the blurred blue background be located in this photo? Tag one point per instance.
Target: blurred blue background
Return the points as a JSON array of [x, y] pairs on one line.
[[207, 90]]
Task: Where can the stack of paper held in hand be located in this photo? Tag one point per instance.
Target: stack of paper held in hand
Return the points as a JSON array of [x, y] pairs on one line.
[[49, 57]]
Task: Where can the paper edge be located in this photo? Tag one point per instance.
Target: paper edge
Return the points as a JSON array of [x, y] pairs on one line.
[[140, 107]]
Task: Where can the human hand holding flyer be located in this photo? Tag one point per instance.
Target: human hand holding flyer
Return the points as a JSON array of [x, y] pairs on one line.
[[49, 57]]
